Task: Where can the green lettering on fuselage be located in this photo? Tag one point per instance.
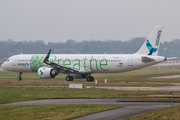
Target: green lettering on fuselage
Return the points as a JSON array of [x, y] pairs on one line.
[[91, 64], [54, 58], [103, 65], [85, 63], [64, 63], [59, 60], [77, 63]]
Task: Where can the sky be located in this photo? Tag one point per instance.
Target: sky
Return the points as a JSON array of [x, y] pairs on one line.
[[60, 20]]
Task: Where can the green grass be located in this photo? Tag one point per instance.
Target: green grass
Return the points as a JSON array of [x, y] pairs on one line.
[[115, 79], [160, 114], [85, 83], [15, 94], [50, 112], [127, 76]]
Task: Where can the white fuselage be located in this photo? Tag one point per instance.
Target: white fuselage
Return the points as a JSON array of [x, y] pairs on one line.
[[85, 63], [82, 65]]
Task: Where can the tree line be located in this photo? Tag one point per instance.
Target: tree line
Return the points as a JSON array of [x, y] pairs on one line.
[[10, 47]]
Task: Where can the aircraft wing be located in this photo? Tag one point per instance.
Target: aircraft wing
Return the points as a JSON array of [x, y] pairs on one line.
[[62, 68]]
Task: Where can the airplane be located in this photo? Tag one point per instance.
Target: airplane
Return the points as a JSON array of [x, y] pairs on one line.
[[83, 65]]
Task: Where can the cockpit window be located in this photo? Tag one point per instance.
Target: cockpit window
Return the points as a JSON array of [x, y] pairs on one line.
[[7, 60]]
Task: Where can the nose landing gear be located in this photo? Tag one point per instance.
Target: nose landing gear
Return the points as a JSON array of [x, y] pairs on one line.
[[19, 78]]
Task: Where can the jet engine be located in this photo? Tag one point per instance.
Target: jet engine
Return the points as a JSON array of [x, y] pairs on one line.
[[79, 76], [45, 72]]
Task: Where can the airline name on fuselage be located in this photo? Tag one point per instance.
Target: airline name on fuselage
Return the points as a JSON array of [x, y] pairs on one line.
[[98, 63], [22, 64], [158, 37], [102, 62]]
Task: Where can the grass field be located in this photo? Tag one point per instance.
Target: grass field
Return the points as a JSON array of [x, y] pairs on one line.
[[65, 83], [50, 112], [15, 94], [8, 79], [115, 79], [160, 114], [9, 93], [127, 76]]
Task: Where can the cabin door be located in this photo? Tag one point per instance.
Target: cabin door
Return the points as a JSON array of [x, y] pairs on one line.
[[14, 61], [130, 61]]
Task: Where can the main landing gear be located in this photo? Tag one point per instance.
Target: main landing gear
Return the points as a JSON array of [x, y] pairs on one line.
[[19, 78], [90, 78], [69, 78]]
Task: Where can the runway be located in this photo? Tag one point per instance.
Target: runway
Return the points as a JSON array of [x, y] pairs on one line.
[[165, 77], [129, 109]]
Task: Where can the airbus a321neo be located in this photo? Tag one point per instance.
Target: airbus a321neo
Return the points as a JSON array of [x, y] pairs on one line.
[[83, 65]]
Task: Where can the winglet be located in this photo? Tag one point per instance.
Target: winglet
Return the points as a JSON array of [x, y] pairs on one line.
[[46, 59]]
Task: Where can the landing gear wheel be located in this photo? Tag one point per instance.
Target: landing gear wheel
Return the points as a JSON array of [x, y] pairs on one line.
[[90, 78], [19, 78], [69, 78]]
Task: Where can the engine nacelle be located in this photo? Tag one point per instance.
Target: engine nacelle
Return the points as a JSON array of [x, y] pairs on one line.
[[79, 76], [45, 72]]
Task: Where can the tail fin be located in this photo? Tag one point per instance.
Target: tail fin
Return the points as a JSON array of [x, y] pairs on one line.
[[152, 43]]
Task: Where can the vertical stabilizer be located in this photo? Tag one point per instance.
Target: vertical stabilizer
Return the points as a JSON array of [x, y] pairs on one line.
[[152, 43]]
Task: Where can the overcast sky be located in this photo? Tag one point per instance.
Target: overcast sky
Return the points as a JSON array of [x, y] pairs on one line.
[[60, 20]]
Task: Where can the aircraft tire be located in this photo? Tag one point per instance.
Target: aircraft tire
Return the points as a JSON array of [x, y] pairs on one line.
[[69, 78], [19, 78], [90, 79]]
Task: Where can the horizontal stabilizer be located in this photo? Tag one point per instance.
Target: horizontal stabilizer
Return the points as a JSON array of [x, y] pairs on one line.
[[145, 58]]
